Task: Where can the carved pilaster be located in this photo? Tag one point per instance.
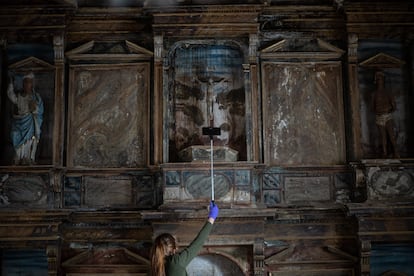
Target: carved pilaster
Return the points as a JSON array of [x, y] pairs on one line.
[[158, 48], [353, 48], [158, 103], [58, 45], [354, 97], [58, 42], [52, 260], [254, 84], [258, 257], [249, 99], [365, 253], [253, 43]]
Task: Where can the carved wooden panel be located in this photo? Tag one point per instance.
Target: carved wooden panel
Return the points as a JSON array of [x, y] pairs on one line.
[[108, 110], [109, 191], [106, 261], [390, 183], [305, 189], [24, 190], [194, 185], [303, 113]]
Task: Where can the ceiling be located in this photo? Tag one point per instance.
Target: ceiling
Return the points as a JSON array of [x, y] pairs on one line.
[[153, 3]]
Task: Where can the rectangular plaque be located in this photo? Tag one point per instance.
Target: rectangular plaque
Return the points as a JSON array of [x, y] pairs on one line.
[[106, 192], [304, 189]]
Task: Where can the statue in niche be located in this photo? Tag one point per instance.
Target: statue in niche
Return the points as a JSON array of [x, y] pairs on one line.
[[383, 105], [27, 120]]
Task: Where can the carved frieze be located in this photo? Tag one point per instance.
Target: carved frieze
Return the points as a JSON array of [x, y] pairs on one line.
[[194, 185], [115, 191]]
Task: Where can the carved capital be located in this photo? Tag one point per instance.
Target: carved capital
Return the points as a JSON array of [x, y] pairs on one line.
[[253, 42], [58, 42], [353, 47], [158, 47]]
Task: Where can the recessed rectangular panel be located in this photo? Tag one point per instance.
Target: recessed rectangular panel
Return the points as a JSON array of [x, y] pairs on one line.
[[306, 189]]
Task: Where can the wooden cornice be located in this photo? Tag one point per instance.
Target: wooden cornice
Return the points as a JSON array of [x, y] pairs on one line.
[[322, 50], [379, 19], [85, 52], [22, 227], [210, 21]]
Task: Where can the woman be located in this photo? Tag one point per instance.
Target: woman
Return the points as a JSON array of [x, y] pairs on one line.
[[165, 261]]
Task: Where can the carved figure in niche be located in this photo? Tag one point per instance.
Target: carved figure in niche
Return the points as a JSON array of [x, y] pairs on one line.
[[27, 120], [383, 104], [207, 90]]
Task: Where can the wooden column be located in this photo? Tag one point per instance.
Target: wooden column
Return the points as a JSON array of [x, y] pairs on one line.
[[58, 123], [255, 104], [158, 102], [355, 144]]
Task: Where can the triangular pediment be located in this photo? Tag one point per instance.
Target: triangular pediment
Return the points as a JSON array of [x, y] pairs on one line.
[[316, 49], [107, 51], [296, 254], [31, 64], [106, 257], [382, 60]]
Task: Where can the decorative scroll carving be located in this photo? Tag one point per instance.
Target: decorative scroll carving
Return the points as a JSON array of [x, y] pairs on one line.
[[386, 184]]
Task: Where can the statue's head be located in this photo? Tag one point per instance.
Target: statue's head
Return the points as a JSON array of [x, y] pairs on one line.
[[28, 82]]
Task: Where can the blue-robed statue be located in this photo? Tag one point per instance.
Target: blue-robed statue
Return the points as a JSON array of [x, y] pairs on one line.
[[27, 120]]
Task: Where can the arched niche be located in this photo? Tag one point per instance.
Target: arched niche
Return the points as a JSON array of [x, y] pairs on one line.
[[214, 265], [206, 87]]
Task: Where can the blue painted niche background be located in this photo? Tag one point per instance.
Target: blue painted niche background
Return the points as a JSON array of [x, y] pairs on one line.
[[23, 262], [392, 257]]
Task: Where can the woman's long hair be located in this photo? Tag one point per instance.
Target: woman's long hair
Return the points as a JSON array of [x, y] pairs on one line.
[[164, 245]]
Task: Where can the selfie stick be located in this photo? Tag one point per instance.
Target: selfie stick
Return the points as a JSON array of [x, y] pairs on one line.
[[211, 131]]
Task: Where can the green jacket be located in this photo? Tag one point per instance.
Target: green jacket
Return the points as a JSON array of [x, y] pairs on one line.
[[176, 264]]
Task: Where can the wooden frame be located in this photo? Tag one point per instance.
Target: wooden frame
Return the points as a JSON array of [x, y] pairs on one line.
[[303, 116], [89, 117]]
